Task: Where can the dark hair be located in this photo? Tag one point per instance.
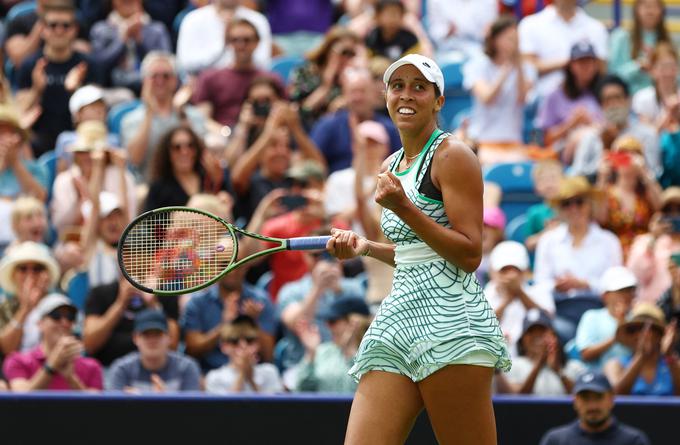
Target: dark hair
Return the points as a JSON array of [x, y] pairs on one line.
[[502, 23], [610, 79], [161, 167], [382, 4], [319, 55], [571, 89], [270, 81], [662, 34]]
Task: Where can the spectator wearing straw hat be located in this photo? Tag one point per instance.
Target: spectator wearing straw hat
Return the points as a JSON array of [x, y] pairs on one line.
[[653, 368], [57, 362], [27, 273], [571, 258]]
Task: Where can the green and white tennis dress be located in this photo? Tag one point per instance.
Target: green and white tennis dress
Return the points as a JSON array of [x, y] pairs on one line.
[[436, 314]]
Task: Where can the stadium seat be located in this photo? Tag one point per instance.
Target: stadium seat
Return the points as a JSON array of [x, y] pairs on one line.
[[568, 312], [455, 97], [117, 112], [516, 229], [76, 286], [20, 9], [515, 181], [459, 118], [49, 161], [284, 65]]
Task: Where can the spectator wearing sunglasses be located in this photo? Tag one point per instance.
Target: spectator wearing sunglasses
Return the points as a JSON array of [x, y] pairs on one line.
[[653, 366], [27, 273], [51, 75], [650, 253], [57, 362], [243, 373], [571, 258], [600, 335], [153, 367]]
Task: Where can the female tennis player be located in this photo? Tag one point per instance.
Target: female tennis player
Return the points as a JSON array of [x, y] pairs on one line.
[[435, 341]]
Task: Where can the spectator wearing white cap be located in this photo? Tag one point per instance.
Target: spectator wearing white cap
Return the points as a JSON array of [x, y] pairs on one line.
[[27, 273], [57, 362], [509, 293], [599, 336], [87, 103]]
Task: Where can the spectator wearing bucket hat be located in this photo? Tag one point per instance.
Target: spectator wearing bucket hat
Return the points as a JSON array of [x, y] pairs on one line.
[[571, 258], [57, 362], [509, 293], [71, 187], [653, 367], [325, 364], [540, 367], [27, 273], [651, 252], [593, 403], [599, 335]]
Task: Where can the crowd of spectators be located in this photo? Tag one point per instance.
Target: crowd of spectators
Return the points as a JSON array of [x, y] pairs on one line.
[[108, 109]]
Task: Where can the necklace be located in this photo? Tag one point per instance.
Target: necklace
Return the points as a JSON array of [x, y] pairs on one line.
[[411, 158]]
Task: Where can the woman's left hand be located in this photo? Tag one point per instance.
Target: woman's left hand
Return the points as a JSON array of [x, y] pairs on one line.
[[389, 192]]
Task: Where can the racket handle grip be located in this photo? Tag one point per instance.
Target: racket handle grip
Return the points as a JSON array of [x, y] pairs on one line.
[[308, 243]]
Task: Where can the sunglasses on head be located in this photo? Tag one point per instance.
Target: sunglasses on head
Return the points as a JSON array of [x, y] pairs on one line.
[[247, 338], [58, 315], [35, 268], [56, 24], [577, 201]]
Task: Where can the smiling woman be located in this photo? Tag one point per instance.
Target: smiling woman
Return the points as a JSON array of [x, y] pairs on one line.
[[435, 341]]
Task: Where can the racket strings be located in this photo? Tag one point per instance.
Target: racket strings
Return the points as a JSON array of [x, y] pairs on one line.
[[177, 250]]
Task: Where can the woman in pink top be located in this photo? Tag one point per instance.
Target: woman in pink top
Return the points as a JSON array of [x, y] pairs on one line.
[[650, 252]]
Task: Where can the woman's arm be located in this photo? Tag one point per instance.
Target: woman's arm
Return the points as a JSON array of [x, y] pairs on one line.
[[487, 92], [456, 172]]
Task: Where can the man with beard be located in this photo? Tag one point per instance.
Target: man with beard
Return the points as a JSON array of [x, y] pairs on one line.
[[593, 402]]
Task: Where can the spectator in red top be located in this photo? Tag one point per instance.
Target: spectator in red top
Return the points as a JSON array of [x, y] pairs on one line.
[[303, 213], [57, 363]]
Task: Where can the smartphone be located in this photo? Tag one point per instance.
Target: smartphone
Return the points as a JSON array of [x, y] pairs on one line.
[[619, 159], [674, 222], [292, 202], [261, 108]]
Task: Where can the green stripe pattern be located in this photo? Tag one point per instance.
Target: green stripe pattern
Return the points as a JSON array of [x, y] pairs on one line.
[[435, 313]]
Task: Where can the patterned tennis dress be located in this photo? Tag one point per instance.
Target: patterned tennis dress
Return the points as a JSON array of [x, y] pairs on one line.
[[436, 314]]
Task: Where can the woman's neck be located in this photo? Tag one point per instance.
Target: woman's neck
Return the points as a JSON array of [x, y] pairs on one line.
[[578, 230], [414, 142], [666, 89], [627, 183]]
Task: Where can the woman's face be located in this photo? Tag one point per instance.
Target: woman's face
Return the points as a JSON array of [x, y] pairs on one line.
[[183, 152], [575, 210], [665, 69], [32, 227], [584, 70], [649, 12], [411, 100], [33, 274], [507, 41], [534, 340]]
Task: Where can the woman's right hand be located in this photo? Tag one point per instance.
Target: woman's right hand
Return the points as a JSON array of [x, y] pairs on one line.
[[345, 244]]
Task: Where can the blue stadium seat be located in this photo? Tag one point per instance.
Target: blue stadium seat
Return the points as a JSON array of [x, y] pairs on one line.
[[459, 118], [76, 286], [20, 9], [568, 312], [516, 230], [284, 65], [117, 112], [49, 161], [515, 181], [455, 97]]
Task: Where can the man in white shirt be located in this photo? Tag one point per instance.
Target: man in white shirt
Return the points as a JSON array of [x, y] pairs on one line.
[[508, 292], [201, 40], [460, 25], [545, 39]]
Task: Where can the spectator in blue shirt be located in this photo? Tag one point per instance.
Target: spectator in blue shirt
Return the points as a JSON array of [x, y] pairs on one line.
[[593, 402], [332, 134], [208, 312]]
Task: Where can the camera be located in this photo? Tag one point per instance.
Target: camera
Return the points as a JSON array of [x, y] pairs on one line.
[[261, 108]]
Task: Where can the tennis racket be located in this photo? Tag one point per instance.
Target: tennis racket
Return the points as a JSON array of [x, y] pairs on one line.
[[178, 250]]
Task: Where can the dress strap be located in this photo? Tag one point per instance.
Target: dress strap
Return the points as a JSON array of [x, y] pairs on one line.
[[430, 151]]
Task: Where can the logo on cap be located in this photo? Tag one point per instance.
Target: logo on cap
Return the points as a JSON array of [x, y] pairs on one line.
[[588, 378], [427, 64]]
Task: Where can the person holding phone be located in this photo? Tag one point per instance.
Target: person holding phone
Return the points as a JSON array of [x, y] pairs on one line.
[[435, 341], [650, 252], [653, 368]]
